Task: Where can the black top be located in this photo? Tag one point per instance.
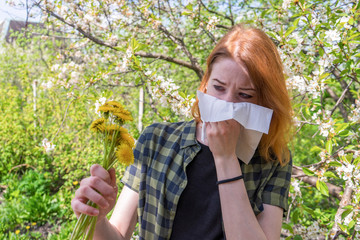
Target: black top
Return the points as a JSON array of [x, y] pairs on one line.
[[198, 214]]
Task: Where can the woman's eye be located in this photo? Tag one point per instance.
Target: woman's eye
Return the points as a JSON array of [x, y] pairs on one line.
[[244, 95], [218, 88]]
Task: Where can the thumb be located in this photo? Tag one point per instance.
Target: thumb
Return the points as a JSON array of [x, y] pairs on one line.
[[112, 177]]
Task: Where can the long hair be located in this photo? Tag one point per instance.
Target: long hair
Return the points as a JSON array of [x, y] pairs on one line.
[[252, 47]]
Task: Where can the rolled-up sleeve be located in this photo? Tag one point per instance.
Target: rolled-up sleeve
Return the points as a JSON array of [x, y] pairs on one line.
[[276, 191]]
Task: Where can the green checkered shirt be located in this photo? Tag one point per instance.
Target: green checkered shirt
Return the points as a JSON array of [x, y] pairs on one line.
[[158, 174]]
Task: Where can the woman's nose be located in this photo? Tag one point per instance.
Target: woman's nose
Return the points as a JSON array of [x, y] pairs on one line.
[[229, 97]]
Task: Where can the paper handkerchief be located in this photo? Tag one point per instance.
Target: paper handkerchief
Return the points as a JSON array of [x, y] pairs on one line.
[[254, 119]]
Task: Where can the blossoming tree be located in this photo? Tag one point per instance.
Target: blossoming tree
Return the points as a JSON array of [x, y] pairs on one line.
[[156, 50]]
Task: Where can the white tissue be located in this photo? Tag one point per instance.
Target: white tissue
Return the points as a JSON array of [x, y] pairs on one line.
[[254, 119]]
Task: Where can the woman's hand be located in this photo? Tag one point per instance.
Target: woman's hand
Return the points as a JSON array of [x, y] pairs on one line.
[[99, 188], [222, 138]]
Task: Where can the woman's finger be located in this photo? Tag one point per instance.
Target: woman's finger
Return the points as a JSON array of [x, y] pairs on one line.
[[79, 206], [99, 171], [89, 193], [99, 185], [112, 177]]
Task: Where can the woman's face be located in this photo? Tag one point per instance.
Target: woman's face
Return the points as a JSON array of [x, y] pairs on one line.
[[230, 81]]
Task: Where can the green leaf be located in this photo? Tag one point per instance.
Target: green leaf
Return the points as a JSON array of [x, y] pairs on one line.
[[345, 133], [315, 149], [288, 227], [309, 210], [292, 41], [190, 7], [308, 171], [295, 215], [292, 28], [322, 187], [353, 36], [342, 227], [341, 127], [345, 213], [348, 207], [134, 44], [141, 47], [356, 161], [272, 34], [324, 75], [182, 94], [335, 164], [298, 237], [328, 146], [351, 21], [330, 174], [186, 13], [351, 224]]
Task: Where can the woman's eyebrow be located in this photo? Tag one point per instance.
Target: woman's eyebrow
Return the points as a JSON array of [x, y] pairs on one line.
[[217, 80], [241, 88]]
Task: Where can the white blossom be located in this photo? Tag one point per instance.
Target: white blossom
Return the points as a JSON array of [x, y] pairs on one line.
[[326, 128], [344, 19], [213, 20], [355, 111], [101, 101], [296, 184], [286, 4], [166, 92], [48, 146], [47, 85], [332, 35]]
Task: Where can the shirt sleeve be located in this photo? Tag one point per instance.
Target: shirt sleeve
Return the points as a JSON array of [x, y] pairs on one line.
[[132, 173], [276, 191]]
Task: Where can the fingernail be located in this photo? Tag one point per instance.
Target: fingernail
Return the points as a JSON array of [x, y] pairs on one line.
[[96, 212]]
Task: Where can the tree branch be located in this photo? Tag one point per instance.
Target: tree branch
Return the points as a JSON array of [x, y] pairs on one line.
[[193, 65], [222, 26], [186, 51], [170, 59], [341, 106], [346, 200], [79, 29], [334, 191], [342, 96], [219, 14]]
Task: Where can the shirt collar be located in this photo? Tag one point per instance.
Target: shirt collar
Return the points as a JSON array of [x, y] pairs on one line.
[[188, 137]]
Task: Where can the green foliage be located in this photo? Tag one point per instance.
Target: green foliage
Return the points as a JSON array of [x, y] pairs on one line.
[[161, 49]]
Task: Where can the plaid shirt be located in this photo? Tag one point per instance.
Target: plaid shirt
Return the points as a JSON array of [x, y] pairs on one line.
[[158, 174]]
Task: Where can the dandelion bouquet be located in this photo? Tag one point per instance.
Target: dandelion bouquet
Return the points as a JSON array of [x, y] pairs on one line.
[[118, 144]]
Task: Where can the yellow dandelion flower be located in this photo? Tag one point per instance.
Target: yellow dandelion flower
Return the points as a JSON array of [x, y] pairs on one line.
[[17, 231], [127, 138], [75, 183], [123, 116], [115, 104], [34, 223], [124, 154], [27, 227], [104, 108], [98, 125], [113, 130]]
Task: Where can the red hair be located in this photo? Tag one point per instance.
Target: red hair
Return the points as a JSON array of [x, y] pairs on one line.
[[255, 49]]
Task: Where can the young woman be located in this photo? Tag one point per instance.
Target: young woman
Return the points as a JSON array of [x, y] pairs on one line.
[[183, 187]]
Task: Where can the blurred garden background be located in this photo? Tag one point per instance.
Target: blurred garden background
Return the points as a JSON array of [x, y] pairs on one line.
[[150, 56]]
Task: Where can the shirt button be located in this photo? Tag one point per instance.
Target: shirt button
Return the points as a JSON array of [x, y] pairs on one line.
[[182, 185]]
